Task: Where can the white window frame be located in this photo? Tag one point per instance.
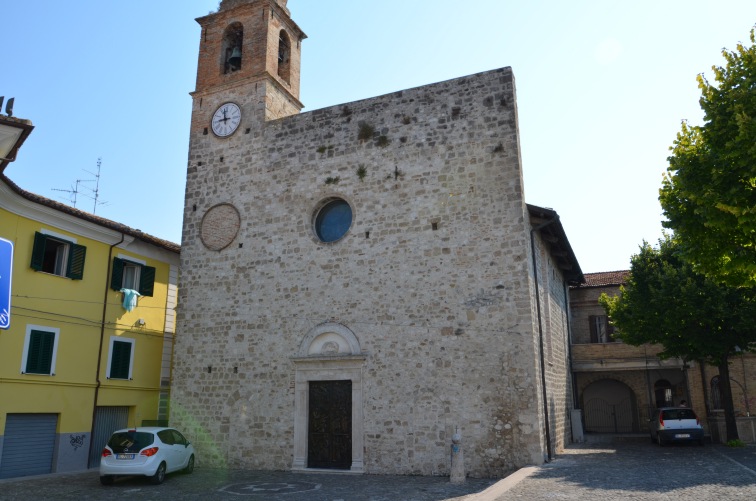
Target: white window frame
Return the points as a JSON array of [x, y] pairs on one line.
[[25, 355], [135, 275], [136, 264], [113, 340]]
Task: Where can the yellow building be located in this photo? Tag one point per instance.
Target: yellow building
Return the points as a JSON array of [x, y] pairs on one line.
[[89, 344]]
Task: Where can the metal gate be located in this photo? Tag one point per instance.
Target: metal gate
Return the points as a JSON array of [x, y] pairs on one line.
[[602, 416], [28, 445], [107, 420], [329, 437]]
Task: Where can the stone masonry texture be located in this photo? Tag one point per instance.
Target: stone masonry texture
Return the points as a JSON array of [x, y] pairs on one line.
[[434, 278]]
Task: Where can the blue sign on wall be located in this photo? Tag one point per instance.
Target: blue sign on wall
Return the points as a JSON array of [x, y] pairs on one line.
[[6, 271]]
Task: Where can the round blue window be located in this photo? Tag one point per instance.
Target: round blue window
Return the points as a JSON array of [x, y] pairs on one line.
[[333, 220]]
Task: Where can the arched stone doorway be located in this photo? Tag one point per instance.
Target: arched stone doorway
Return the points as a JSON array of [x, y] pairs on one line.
[[609, 406], [328, 390], [663, 393]]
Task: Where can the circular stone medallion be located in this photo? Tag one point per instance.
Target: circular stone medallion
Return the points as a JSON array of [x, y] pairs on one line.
[[219, 227]]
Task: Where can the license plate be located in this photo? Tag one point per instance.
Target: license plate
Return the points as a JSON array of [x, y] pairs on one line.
[[682, 435], [124, 456]]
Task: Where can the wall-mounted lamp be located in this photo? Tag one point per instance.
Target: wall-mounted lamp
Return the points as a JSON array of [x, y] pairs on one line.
[[140, 322], [13, 133]]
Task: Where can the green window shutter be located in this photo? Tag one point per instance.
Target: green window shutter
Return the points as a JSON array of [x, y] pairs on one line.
[[38, 251], [116, 279], [120, 361], [76, 262], [147, 281], [39, 357]]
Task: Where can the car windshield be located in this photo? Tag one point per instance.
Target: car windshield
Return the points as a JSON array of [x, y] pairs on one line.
[[131, 441], [678, 414]]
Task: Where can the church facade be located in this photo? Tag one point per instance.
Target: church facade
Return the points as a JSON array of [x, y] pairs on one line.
[[361, 282]]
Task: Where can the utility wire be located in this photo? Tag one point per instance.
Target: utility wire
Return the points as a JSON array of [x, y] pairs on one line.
[[78, 301]]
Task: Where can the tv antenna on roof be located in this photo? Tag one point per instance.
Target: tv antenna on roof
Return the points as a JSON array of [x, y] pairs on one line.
[[96, 190], [74, 191]]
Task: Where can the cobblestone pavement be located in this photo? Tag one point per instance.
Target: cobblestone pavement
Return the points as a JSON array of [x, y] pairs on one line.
[[642, 471], [635, 470]]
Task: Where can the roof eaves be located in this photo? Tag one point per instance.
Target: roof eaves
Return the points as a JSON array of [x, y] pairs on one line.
[[101, 221]]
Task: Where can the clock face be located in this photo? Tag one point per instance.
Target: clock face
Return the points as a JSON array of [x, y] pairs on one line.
[[226, 119]]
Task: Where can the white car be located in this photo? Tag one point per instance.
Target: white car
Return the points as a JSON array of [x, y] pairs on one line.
[[148, 451], [675, 424]]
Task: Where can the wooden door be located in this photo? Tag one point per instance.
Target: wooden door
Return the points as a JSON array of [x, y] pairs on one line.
[[329, 429]]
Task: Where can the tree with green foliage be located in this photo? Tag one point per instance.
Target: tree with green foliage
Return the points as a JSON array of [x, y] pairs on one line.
[[709, 192], [666, 302]]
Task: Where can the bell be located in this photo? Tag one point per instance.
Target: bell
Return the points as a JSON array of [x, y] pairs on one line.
[[235, 59]]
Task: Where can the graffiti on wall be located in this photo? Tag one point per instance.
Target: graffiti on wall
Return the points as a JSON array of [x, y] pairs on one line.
[[77, 441]]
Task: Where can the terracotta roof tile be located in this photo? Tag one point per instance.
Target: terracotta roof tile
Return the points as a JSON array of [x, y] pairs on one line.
[[604, 278]]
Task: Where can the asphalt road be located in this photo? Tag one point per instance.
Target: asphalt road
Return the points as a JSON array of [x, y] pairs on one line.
[[636, 470]]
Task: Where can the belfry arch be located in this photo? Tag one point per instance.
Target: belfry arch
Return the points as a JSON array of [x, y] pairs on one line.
[[284, 56], [232, 48]]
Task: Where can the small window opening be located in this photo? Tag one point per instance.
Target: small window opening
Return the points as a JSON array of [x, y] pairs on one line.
[[55, 258]]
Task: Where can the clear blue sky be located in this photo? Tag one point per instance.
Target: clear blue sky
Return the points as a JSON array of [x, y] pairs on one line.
[[602, 87]]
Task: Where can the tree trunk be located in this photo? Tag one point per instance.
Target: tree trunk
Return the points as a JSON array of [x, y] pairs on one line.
[[731, 424]]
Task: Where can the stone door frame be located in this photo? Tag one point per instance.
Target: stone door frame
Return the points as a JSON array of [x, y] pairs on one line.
[[329, 352]]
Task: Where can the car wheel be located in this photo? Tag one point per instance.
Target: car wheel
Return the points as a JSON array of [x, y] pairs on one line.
[[659, 440], [107, 480], [653, 440], [190, 465], [159, 475], [701, 442]]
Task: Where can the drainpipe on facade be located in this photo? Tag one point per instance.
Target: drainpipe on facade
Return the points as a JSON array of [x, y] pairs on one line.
[[573, 379], [102, 340], [540, 333], [576, 437]]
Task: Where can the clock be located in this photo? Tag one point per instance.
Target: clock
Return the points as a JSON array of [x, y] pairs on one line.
[[226, 119]]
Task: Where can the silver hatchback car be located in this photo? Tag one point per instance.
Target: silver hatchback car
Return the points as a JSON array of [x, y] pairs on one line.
[[148, 451], [675, 424]]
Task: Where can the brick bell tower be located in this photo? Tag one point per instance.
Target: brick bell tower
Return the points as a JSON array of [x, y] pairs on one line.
[[248, 69]]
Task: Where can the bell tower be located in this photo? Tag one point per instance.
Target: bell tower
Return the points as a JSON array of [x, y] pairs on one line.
[[249, 57]]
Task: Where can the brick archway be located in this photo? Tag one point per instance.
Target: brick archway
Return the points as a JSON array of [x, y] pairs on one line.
[[609, 406]]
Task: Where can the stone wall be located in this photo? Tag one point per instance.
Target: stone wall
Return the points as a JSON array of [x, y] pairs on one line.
[[434, 278], [554, 319]]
